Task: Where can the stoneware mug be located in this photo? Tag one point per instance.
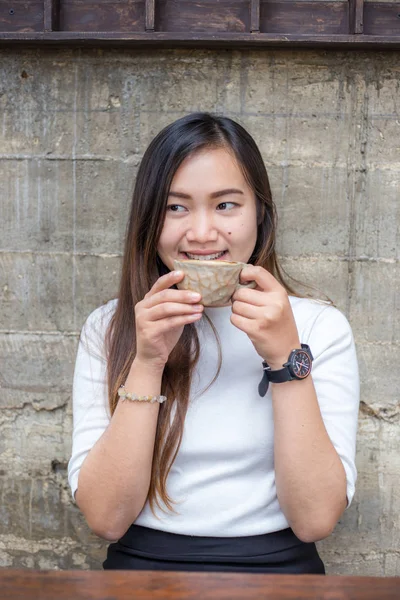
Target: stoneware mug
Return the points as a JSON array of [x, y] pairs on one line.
[[215, 280]]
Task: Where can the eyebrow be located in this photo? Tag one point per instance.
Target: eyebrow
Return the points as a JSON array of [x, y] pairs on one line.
[[213, 195]]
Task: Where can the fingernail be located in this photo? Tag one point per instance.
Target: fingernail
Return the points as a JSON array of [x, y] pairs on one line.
[[176, 273], [195, 295]]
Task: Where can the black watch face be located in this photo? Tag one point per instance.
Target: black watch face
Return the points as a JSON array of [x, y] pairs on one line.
[[301, 364]]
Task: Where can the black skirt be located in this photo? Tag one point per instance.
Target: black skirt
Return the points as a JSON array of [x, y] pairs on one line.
[[142, 548]]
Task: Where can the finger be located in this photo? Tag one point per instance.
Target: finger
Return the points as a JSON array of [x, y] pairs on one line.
[[244, 309], [254, 297], [165, 281], [174, 322], [261, 276], [167, 310], [175, 296], [261, 298], [246, 325]]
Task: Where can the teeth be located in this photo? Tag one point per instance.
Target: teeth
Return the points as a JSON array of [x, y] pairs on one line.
[[204, 257]]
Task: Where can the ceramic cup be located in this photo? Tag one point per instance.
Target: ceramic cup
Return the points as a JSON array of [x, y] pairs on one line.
[[215, 280]]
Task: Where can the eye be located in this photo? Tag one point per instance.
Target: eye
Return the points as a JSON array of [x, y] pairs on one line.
[[227, 205], [175, 207]]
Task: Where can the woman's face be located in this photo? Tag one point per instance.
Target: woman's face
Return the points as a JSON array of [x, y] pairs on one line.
[[211, 211]]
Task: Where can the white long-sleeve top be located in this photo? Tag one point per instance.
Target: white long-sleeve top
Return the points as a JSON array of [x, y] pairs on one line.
[[223, 478]]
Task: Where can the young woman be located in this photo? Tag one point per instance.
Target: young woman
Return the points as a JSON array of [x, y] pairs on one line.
[[250, 458]]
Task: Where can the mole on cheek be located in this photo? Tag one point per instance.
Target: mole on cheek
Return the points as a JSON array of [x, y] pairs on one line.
[[229, 232]]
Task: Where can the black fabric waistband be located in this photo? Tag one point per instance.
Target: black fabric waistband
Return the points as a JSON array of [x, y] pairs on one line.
[[146, 542]]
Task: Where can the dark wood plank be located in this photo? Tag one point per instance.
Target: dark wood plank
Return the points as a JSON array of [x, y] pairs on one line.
[[382, 19], [150, 15], [203, 23], [254, 16], [205, 16], [157, 39], [356, 16], [180, 585], [23, 16], [305, 18], [51, 15], [102, 15]]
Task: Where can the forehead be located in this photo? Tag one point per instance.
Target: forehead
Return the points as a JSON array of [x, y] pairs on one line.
[[208, 169]]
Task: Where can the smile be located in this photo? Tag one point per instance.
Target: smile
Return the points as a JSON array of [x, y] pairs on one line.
[[205, 256]]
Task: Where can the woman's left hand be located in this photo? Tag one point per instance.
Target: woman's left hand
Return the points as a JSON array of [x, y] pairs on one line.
[[265, 314]]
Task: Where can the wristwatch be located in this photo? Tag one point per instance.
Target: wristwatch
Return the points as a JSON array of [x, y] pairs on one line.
[[298, 366]]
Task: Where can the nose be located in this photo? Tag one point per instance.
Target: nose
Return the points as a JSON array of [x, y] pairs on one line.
[[202, 229]]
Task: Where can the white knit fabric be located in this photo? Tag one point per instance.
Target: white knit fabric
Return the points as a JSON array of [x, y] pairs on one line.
[[223, 477]]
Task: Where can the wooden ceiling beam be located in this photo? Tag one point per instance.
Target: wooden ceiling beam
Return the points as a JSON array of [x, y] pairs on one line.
[[51, 15], [203, 40], [254, 16], [150, 15], [356, 9]]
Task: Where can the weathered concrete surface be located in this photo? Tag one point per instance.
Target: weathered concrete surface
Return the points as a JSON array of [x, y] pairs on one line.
[[73, 127]]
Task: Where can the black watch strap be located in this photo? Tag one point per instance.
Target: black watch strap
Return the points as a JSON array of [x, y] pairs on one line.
[[279, 376], [263, 385]]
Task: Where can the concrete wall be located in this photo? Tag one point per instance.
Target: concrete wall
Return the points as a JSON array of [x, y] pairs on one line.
[[73, 127]]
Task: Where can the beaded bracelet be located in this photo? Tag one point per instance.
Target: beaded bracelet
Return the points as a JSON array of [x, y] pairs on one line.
[[124, 395]]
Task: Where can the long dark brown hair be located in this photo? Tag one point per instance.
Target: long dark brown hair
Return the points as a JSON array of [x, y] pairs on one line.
[[142, 267]]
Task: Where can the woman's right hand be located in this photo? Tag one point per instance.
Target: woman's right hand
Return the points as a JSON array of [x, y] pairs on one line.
[[161, 317]]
